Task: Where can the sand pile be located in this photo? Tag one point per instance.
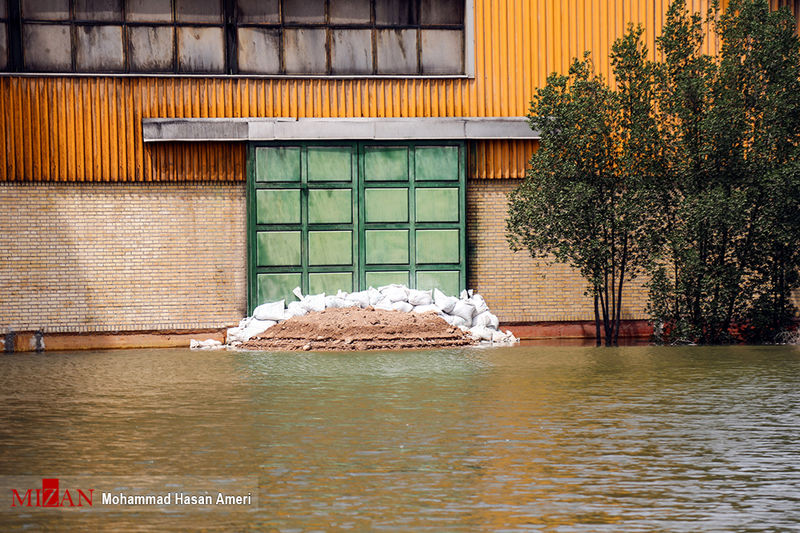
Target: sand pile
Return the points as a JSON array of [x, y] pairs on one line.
[[354, 328], [389, 317]]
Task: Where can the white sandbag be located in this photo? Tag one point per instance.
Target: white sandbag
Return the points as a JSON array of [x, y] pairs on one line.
[[375, 296], [360, 298], [402, 306], [385, 304], [255, 327], [269, 311], [444, 302], [297, 292], [395, 293], [416, 297], [481, 333], [208, 344], [466, 294], [332, 302], [454, 320], [426, 309], [499, 337], [294, 309], [464, 310], [486, 319], [232, 335], [314, 302], [479, 303]]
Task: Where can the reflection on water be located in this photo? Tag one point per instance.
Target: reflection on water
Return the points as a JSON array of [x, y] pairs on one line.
[[573, 438]]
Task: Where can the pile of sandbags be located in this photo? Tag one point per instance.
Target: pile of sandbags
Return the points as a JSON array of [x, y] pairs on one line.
[[469, 312]]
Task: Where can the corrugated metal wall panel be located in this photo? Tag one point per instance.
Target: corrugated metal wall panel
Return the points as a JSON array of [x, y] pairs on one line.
[[89, 128]]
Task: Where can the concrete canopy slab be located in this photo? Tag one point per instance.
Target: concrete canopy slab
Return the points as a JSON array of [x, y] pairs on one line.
[[309, 129]]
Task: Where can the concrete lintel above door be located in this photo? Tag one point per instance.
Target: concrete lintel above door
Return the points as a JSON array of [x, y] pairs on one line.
[[320, 129]]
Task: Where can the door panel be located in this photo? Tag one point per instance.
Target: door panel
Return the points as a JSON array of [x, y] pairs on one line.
[[437, 162], [278, 206], [273, 287], [277, 163], [330, 163], [379, 279], [387, 247], [330, 206], [447, 281], [386, 205], [346, 216], [330, 282], [386, 163], [279, 248], [437, 246], [437, 205], [330, 248]]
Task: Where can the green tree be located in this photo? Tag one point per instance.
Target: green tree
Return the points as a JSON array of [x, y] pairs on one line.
[[731, 129], [689, 170], [587, 199]]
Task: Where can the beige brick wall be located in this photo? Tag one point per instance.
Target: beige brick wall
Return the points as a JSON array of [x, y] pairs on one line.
[[122, 257], [517, 287]]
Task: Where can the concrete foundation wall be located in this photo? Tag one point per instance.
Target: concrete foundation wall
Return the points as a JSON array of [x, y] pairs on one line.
[[517, 287], [121, 257]]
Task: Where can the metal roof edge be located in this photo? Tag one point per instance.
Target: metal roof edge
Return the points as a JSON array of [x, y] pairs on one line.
[[311, 129]]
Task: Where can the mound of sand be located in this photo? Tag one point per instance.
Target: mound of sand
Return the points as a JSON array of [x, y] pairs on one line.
[[353, 328]]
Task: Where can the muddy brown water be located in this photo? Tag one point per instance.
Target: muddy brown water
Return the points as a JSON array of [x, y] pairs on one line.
[[526, 438]]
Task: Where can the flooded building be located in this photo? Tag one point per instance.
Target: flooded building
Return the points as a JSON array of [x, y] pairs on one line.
[[170, 164]]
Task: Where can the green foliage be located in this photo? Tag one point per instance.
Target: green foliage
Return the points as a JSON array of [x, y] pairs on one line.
[[689, 170], [587, 199], [731, 126]]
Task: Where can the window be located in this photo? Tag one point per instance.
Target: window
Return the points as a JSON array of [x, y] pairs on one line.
[[266, 37], [3, 35]]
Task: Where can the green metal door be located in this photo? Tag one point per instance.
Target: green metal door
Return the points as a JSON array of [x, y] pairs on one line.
[[330, 216]]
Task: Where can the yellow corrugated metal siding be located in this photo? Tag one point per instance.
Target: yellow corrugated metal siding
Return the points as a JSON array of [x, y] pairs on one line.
[[75, 128]]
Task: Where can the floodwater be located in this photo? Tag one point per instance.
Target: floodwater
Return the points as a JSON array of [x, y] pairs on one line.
[[525, 438]]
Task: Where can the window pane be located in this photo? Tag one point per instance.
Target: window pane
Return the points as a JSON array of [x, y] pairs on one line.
[[351, 52], [47, 47], [45, 9], [150, 48], [304, 51], [397, 51], [259, 11], [3, 47], [99, 48], [98, 10], [259, 50], [442, 52], [442, 12], [149, 10], [349, 11], [198, 11], [201, 50], [395, 12], [305, 12]]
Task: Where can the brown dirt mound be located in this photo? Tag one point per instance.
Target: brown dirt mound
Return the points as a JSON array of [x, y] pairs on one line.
[[353, 328]]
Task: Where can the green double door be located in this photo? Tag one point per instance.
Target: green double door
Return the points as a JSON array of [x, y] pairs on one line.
[[346, 216]]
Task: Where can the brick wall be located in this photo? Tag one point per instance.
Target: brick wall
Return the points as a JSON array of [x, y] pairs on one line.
[[157, 257], [517, 287], [122, 257]]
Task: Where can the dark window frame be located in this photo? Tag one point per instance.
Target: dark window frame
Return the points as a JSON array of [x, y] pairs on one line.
[[229, 25]]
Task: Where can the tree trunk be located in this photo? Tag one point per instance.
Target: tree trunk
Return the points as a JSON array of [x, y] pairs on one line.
[[596, 319]]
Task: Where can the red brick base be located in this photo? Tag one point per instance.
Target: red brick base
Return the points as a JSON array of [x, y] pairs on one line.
[[629, 329]]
